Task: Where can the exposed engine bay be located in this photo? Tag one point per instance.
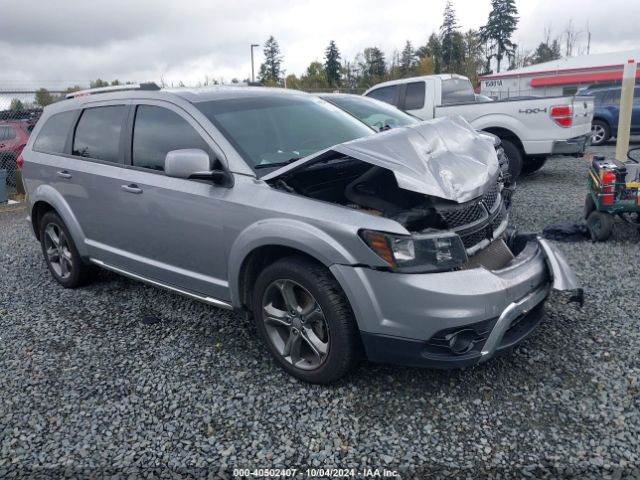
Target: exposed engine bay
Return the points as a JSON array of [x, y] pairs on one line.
[[373, 189], [436, 177]]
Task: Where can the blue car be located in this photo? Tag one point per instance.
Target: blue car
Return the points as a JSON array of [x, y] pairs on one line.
[[607, 109]]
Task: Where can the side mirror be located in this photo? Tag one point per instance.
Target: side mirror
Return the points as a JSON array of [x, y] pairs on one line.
[[194, 163], [184, 163]]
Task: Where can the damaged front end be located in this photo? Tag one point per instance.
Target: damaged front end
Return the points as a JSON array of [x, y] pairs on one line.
[[440, 180]]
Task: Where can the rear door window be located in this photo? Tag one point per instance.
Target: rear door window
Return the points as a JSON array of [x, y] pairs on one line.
[[385, 94], [53, 134], [414, 96], [98, 132], [157, 131], [457, 90]]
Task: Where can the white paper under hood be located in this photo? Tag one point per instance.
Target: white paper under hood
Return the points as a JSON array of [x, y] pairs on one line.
[[444, 157]]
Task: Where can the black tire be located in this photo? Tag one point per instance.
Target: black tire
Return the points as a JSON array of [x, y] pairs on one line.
[[600, 132], [589, 205], [532, 164], [344, 349], [600, 225], [78, 273], [514, 154]]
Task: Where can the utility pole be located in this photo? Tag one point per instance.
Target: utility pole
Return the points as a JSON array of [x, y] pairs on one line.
[[588, 39], [626, 106], [253, 77]]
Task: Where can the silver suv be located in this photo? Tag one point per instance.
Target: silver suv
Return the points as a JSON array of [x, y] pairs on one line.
[[337, 240]]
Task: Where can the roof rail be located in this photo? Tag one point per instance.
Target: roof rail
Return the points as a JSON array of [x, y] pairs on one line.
[[113, 88]]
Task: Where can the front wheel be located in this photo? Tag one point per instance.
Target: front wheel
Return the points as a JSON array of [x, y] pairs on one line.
[[514, 156], [532, 164], [305, 320]]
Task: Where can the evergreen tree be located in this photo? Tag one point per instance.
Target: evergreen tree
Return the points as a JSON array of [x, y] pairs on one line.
[[452, 43], [546, 52], [500, 26], [270, 69], [332, 65], [407, 59]]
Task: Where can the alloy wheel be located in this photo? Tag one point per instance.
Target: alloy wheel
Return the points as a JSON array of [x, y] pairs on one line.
[[597, 134], [295, 324], [58, 251]]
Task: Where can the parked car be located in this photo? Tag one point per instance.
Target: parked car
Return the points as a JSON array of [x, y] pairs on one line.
[[276, 203], [530, 130], [14, 135], [381, 116], [607, 109]]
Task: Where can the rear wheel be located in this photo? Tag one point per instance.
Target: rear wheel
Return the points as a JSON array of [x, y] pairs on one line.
[[532, 164], [514, 155], [60, 253], [600, 225], [305, 320], [600, 132]]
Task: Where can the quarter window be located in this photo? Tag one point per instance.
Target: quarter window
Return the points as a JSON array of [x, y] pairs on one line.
[[53, 134], [98, 133], [385, 94], [414, 98], [156, 132]]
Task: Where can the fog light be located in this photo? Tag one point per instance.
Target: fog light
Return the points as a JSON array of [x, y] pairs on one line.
[[462, 341]]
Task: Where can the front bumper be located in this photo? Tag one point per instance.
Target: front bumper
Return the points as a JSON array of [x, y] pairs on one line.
[[572, 146], [414, 319]]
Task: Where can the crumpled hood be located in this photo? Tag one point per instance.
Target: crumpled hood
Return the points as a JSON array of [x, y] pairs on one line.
[[444, 157]]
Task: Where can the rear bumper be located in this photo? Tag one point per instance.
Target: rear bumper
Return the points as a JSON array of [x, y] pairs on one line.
[[571, 146], [425, 319]]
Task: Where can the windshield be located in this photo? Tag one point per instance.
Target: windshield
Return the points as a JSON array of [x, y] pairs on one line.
[[376, 114], [272, 130]]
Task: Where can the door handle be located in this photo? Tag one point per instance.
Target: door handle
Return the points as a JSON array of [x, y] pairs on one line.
[[131, 188], [64, 174]]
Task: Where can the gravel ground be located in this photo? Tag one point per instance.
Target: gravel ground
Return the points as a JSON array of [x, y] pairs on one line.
[[86, 388]]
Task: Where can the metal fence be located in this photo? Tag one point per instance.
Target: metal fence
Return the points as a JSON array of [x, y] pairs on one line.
[[19, 113]]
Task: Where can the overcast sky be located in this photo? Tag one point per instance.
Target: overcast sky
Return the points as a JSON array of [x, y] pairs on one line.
[[65, 42]]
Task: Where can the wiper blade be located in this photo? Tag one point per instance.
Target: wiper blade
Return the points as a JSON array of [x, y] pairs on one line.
[[277, 164]]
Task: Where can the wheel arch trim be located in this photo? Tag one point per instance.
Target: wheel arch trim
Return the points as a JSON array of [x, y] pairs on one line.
[[49, 195], [287, 233]]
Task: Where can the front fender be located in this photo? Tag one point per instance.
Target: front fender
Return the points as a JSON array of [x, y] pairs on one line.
[[48, 194], [286, 233]]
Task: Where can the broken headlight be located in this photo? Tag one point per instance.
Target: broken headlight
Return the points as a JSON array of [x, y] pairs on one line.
[[430, 252]]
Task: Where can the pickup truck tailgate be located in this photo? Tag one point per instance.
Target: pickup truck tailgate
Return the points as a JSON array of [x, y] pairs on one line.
[[582, 115]]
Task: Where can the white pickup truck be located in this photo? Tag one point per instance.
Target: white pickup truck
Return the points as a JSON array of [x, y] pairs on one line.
[[531, 128]]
